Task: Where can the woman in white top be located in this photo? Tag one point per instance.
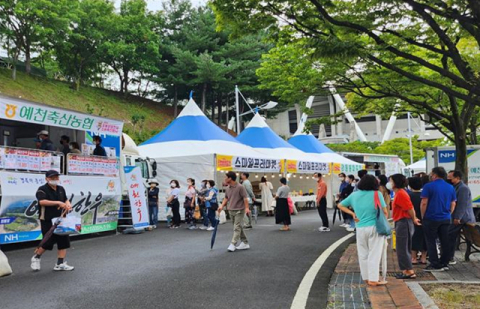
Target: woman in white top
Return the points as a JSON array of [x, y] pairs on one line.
[[267, 197], [172, 202]]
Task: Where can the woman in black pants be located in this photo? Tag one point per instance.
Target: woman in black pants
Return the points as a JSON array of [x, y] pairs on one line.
[[172, 201]]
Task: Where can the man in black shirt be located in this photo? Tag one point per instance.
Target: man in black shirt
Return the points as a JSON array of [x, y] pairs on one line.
[[65, 142], [99, 150], [52, 201], [46, 144]]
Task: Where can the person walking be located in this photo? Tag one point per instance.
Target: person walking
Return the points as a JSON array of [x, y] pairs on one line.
[[251, 199], [153, 192], [463, 213], [267, 196], [189, 204], [211, 202], [370, 244], [322, 201], [282, 213], [403, 214], [53, 202], [237, 198], [202, 204], [346, 191], [418, 240], [438, 203], [172, 202]]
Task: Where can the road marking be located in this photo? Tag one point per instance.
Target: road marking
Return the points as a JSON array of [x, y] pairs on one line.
[[301, 297]]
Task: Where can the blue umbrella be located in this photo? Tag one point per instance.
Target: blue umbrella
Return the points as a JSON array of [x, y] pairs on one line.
[[214, 234]]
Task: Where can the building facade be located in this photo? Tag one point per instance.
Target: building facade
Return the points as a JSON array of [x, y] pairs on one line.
[[372, 126]]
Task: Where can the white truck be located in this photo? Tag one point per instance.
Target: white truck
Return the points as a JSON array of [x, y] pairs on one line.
[[445, 157], [94, 184], [387, 164]]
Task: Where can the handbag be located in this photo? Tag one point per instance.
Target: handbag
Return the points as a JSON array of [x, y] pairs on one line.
[[196, 213], [68, 225], [169, 213], [214, 206], [5, 268], [381, 222]]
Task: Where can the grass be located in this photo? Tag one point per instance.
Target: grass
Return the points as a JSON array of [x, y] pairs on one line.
[[89, 100], [453, 296]]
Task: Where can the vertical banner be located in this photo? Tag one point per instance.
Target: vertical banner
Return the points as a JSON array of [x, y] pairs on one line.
[[137, 196]]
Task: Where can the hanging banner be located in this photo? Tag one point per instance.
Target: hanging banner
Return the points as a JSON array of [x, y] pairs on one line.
[[95, 199], [245, 164], [305, 167], [104, 166], [347, 168], [50, 116], [137, 196]]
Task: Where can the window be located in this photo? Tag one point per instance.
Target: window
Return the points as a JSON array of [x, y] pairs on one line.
[[143, 167], [292, 121]]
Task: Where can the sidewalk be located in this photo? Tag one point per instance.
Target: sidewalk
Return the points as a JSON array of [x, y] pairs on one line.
[[347, 289]]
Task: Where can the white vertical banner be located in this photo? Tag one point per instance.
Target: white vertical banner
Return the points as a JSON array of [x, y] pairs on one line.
[[137, 196]]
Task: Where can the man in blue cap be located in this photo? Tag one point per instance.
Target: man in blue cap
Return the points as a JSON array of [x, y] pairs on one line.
[[52, 201]]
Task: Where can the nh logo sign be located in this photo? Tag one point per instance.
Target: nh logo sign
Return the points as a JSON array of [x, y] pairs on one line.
[[10, 238], [446, 156]]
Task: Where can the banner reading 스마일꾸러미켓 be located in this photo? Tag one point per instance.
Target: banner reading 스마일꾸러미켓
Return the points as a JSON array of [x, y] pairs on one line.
[[248, 164], [307, 167], [95, 199]]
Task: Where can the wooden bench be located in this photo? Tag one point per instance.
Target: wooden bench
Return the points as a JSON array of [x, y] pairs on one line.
[[472, 238]]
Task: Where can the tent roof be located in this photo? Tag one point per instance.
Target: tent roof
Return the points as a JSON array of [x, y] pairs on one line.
[[259, 136], [192, 133], [419, 166]]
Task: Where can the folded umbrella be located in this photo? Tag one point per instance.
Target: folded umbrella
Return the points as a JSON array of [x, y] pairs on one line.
[[214, 234]]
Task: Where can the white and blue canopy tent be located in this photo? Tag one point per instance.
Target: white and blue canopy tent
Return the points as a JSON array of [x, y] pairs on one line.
[[300, 165], [190, 146]]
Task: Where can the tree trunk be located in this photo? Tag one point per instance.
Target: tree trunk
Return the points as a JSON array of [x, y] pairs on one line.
[[461, 159], [125, 83], [227, 119], [204, 96], [28, 61], [175, 102], [212, 98]]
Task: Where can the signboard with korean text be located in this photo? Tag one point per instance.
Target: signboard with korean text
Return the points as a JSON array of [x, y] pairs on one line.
[[137, 196], [347, 168], [93, 165], [95, 199], [305, 167], [28, 159], [245, 164], [51, 116]]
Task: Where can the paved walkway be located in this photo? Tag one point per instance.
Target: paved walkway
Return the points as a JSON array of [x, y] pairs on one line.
[[347, 290]]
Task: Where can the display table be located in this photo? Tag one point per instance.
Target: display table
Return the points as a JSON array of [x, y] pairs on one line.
[[307, 199]]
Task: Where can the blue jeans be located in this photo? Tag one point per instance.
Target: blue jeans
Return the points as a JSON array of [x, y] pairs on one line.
[[211, 217], [153, 215]]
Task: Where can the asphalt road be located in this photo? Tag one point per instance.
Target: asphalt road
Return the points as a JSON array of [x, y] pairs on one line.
[[176, 269]]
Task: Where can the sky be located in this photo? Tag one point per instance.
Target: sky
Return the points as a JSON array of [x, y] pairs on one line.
[[155, 5]]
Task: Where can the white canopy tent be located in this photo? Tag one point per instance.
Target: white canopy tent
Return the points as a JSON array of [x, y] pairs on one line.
[[418, 167], [192, 146]]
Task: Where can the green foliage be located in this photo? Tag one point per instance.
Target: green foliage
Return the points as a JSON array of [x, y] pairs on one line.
[[396, 146]]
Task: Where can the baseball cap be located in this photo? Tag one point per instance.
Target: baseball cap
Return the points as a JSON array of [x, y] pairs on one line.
[[51, 173], [43, 132]]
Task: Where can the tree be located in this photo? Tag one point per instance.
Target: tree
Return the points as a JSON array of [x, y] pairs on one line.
[[130, 43], [418, 41], [79, 54], [30, 25]]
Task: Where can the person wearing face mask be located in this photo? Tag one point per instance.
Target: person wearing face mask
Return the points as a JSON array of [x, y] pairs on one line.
[[322, 201], [99, 150], [189, 204], [438, 204], [172, 202], [153, 203], [201, 193], [403, 214], [65, 145], [343, 184], [347, 190], [46, 143], [53, 201], [385, 188], [75, 148], [211, 203]]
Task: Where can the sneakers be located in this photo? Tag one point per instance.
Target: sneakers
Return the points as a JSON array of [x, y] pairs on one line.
[[350, 229], [344, 225], [203, 228], [249, 227], [211, 228], [243, 246], [192, 227], [35, 265], [63, 267], [431, 268], [452, 262], [154, 226], [324, 229], [232, 248]]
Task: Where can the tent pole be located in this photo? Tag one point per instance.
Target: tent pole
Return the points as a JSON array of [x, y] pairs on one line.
[[237, 109]]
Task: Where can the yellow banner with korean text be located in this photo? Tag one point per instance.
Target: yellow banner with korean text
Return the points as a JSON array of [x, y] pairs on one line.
[[346, 168], [306, 167], [248, 164]]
